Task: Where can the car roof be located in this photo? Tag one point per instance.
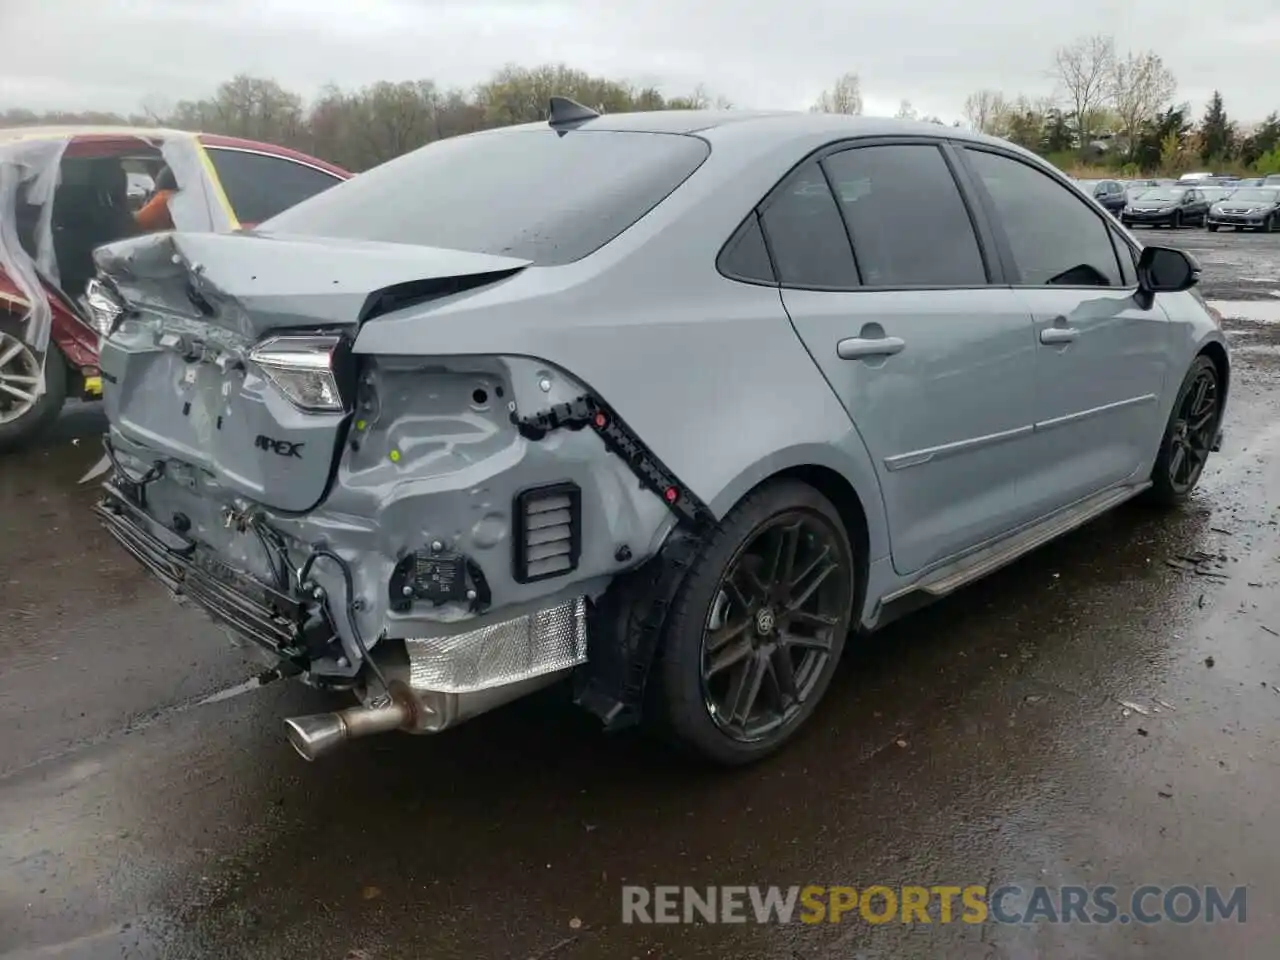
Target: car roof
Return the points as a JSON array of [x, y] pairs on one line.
[[763, 131], [768, 124], [8, 134], [114, 132]]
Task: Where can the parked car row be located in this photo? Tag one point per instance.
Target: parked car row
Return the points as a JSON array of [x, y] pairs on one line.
[[81, 187], [1195, 200]]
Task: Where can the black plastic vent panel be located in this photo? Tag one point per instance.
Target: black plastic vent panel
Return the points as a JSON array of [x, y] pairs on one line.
[[548, 531]]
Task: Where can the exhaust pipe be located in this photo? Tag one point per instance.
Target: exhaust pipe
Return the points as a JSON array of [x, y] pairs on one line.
[[320, 733]]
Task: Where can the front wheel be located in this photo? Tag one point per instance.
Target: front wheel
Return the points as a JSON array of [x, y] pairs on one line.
[[1272, 224], [1176, 222], [23, 415], [1213, 228], [1189, 434], [758, 626]]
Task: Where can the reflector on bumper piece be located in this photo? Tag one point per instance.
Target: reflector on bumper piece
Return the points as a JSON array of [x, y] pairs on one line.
[[501, 653]]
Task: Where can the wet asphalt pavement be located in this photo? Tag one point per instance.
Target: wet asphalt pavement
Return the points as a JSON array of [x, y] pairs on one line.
[[982, 741]]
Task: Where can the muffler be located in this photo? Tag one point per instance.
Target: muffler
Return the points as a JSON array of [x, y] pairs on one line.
[[320, 733]]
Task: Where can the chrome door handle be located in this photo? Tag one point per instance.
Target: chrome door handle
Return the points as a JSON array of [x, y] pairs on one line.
[[1059, 335], [859, 348]]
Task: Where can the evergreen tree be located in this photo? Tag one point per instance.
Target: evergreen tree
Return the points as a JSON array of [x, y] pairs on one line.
[[1172, 123], [1058, 135], [1217, 132], [1263, 140]]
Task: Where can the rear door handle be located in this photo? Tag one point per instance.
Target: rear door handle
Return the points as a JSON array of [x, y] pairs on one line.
[[859, 348], [1059, 335]]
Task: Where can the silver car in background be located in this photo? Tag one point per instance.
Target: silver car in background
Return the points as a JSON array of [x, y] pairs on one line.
[[672, 404], [1248, 208]]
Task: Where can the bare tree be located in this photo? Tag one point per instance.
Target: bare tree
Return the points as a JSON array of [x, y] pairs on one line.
[[156, 107], [699, 99], [845, 96], [1139, 86], [1084, 69], [986, 111], [906, 111]]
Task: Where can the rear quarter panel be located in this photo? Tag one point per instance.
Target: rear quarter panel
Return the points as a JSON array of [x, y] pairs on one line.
[[707, 371]]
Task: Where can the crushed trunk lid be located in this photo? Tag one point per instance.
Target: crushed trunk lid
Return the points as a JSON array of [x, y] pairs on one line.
[[181, 380]]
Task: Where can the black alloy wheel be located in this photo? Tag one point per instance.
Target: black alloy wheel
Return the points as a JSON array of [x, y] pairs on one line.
[[758, 627], [769, 633], [1190, 434]]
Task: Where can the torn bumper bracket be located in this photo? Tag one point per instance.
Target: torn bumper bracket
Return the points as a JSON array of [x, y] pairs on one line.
[[622, 441], [626, 624]]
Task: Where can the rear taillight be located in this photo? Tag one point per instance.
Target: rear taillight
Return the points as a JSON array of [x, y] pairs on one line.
[[304, 370], [102, 305], [548, 531]]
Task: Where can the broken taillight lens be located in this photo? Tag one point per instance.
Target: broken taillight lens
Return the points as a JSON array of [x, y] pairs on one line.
[[302, 368], [103, 307]]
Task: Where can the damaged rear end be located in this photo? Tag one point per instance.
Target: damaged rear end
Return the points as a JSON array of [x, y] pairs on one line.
[[407, 528], [429, 527]]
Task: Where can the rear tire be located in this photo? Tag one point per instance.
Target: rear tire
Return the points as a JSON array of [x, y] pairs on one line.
[[19, 425], [1188, 436], [758, 626]]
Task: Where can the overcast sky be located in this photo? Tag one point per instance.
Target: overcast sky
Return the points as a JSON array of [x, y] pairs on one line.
[[111, 54]]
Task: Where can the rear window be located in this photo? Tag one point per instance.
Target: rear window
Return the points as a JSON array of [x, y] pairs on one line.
[[533, 194]]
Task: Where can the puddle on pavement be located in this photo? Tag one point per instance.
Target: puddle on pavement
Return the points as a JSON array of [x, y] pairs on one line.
[[1259, 311], [1257, 350]]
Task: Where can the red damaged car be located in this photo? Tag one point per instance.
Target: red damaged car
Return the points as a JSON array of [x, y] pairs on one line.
[[65, 191]]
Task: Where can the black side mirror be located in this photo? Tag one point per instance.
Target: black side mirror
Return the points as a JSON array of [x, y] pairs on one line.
[[1166, 270]]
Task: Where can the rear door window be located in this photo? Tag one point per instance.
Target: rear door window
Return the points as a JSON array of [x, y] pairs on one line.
[[806, 236], [533, 193], [259, 186], [909, 225]]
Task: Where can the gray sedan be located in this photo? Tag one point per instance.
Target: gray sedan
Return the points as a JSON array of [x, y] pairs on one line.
[[1255, 208], [676, 405]]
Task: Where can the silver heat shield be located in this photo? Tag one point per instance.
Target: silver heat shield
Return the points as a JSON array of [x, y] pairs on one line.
[[501, 653]]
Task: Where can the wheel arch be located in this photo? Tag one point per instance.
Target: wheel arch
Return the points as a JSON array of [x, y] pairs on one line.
[[842, 472], [628, 620], [836, 488], [853, 514], [1216, 352]]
